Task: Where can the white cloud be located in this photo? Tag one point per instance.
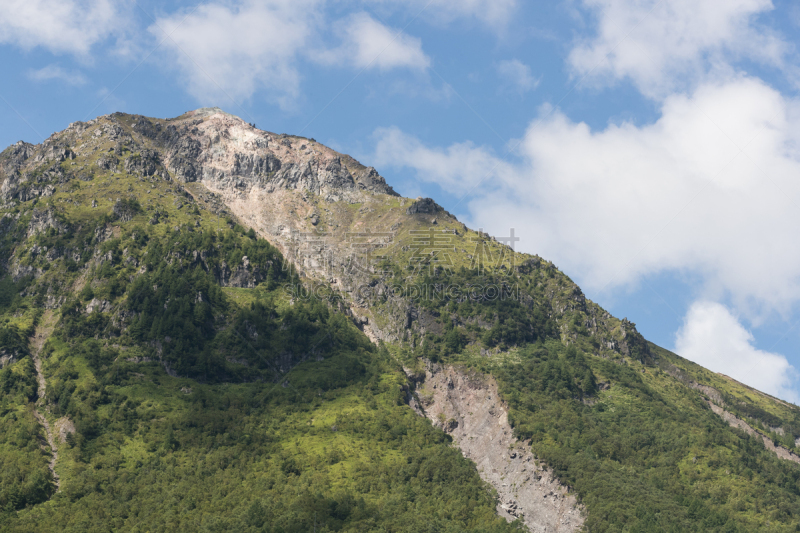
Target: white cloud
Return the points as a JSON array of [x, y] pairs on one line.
[[517, 75], [232, 51], [612, 206], [459, 167], [369, 44], [712, 337], [494, 13], [61, 26], [55, 72], [664, 45]]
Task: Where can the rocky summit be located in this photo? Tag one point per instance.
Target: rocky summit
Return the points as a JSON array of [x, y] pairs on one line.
[[209, 327]]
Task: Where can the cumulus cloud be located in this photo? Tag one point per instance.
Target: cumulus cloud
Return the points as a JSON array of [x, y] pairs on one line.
[[664, 45], [55, 72], [369, 44], [712, 187], [493, 13], [60, 26], [712, 337], [459, 166], [227, 50], [517, 76], [234, 50]]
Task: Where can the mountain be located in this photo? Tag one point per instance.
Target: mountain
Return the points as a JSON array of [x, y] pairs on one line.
[[209, 327]]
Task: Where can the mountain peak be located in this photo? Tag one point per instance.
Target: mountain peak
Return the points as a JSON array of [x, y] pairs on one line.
[[140, 246], [210, 111], [220, 150]]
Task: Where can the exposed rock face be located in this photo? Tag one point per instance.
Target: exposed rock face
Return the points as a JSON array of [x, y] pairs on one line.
[[107, 162], [424, 205], [733, 421], [146, 163], [41, 221], [7, 358], [242, 276], [17, 155], [102, 306], [226, 153], [469, 408], [22, 186], [715, 402]]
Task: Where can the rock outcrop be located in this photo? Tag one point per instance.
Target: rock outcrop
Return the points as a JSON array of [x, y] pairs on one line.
[[424, 205], [224, 152]]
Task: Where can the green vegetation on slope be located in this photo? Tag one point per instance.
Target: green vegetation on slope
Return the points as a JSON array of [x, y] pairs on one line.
[[285, 417], [640, 447], [205, 398], [24, 477]]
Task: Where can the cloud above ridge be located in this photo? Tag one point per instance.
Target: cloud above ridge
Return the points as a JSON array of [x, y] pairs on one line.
[[712, 337], [712, 187]]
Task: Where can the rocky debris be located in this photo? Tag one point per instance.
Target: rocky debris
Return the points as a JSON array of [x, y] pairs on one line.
[[102, 234], [101, 306], [19, 271], [27, 186], [42, 220], [43, 331], [63, 427], [424, 205], [713, 394], [110, 130], [738, 423], [107, 161], [468, 407], [145, 163], [58, 153]]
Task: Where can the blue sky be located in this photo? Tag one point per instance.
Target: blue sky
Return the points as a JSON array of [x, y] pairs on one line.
[[651, 149]]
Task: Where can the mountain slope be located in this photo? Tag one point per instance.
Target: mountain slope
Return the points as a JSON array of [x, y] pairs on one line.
[[207, 282]]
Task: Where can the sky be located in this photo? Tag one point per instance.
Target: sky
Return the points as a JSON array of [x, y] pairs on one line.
[[649, 148]]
